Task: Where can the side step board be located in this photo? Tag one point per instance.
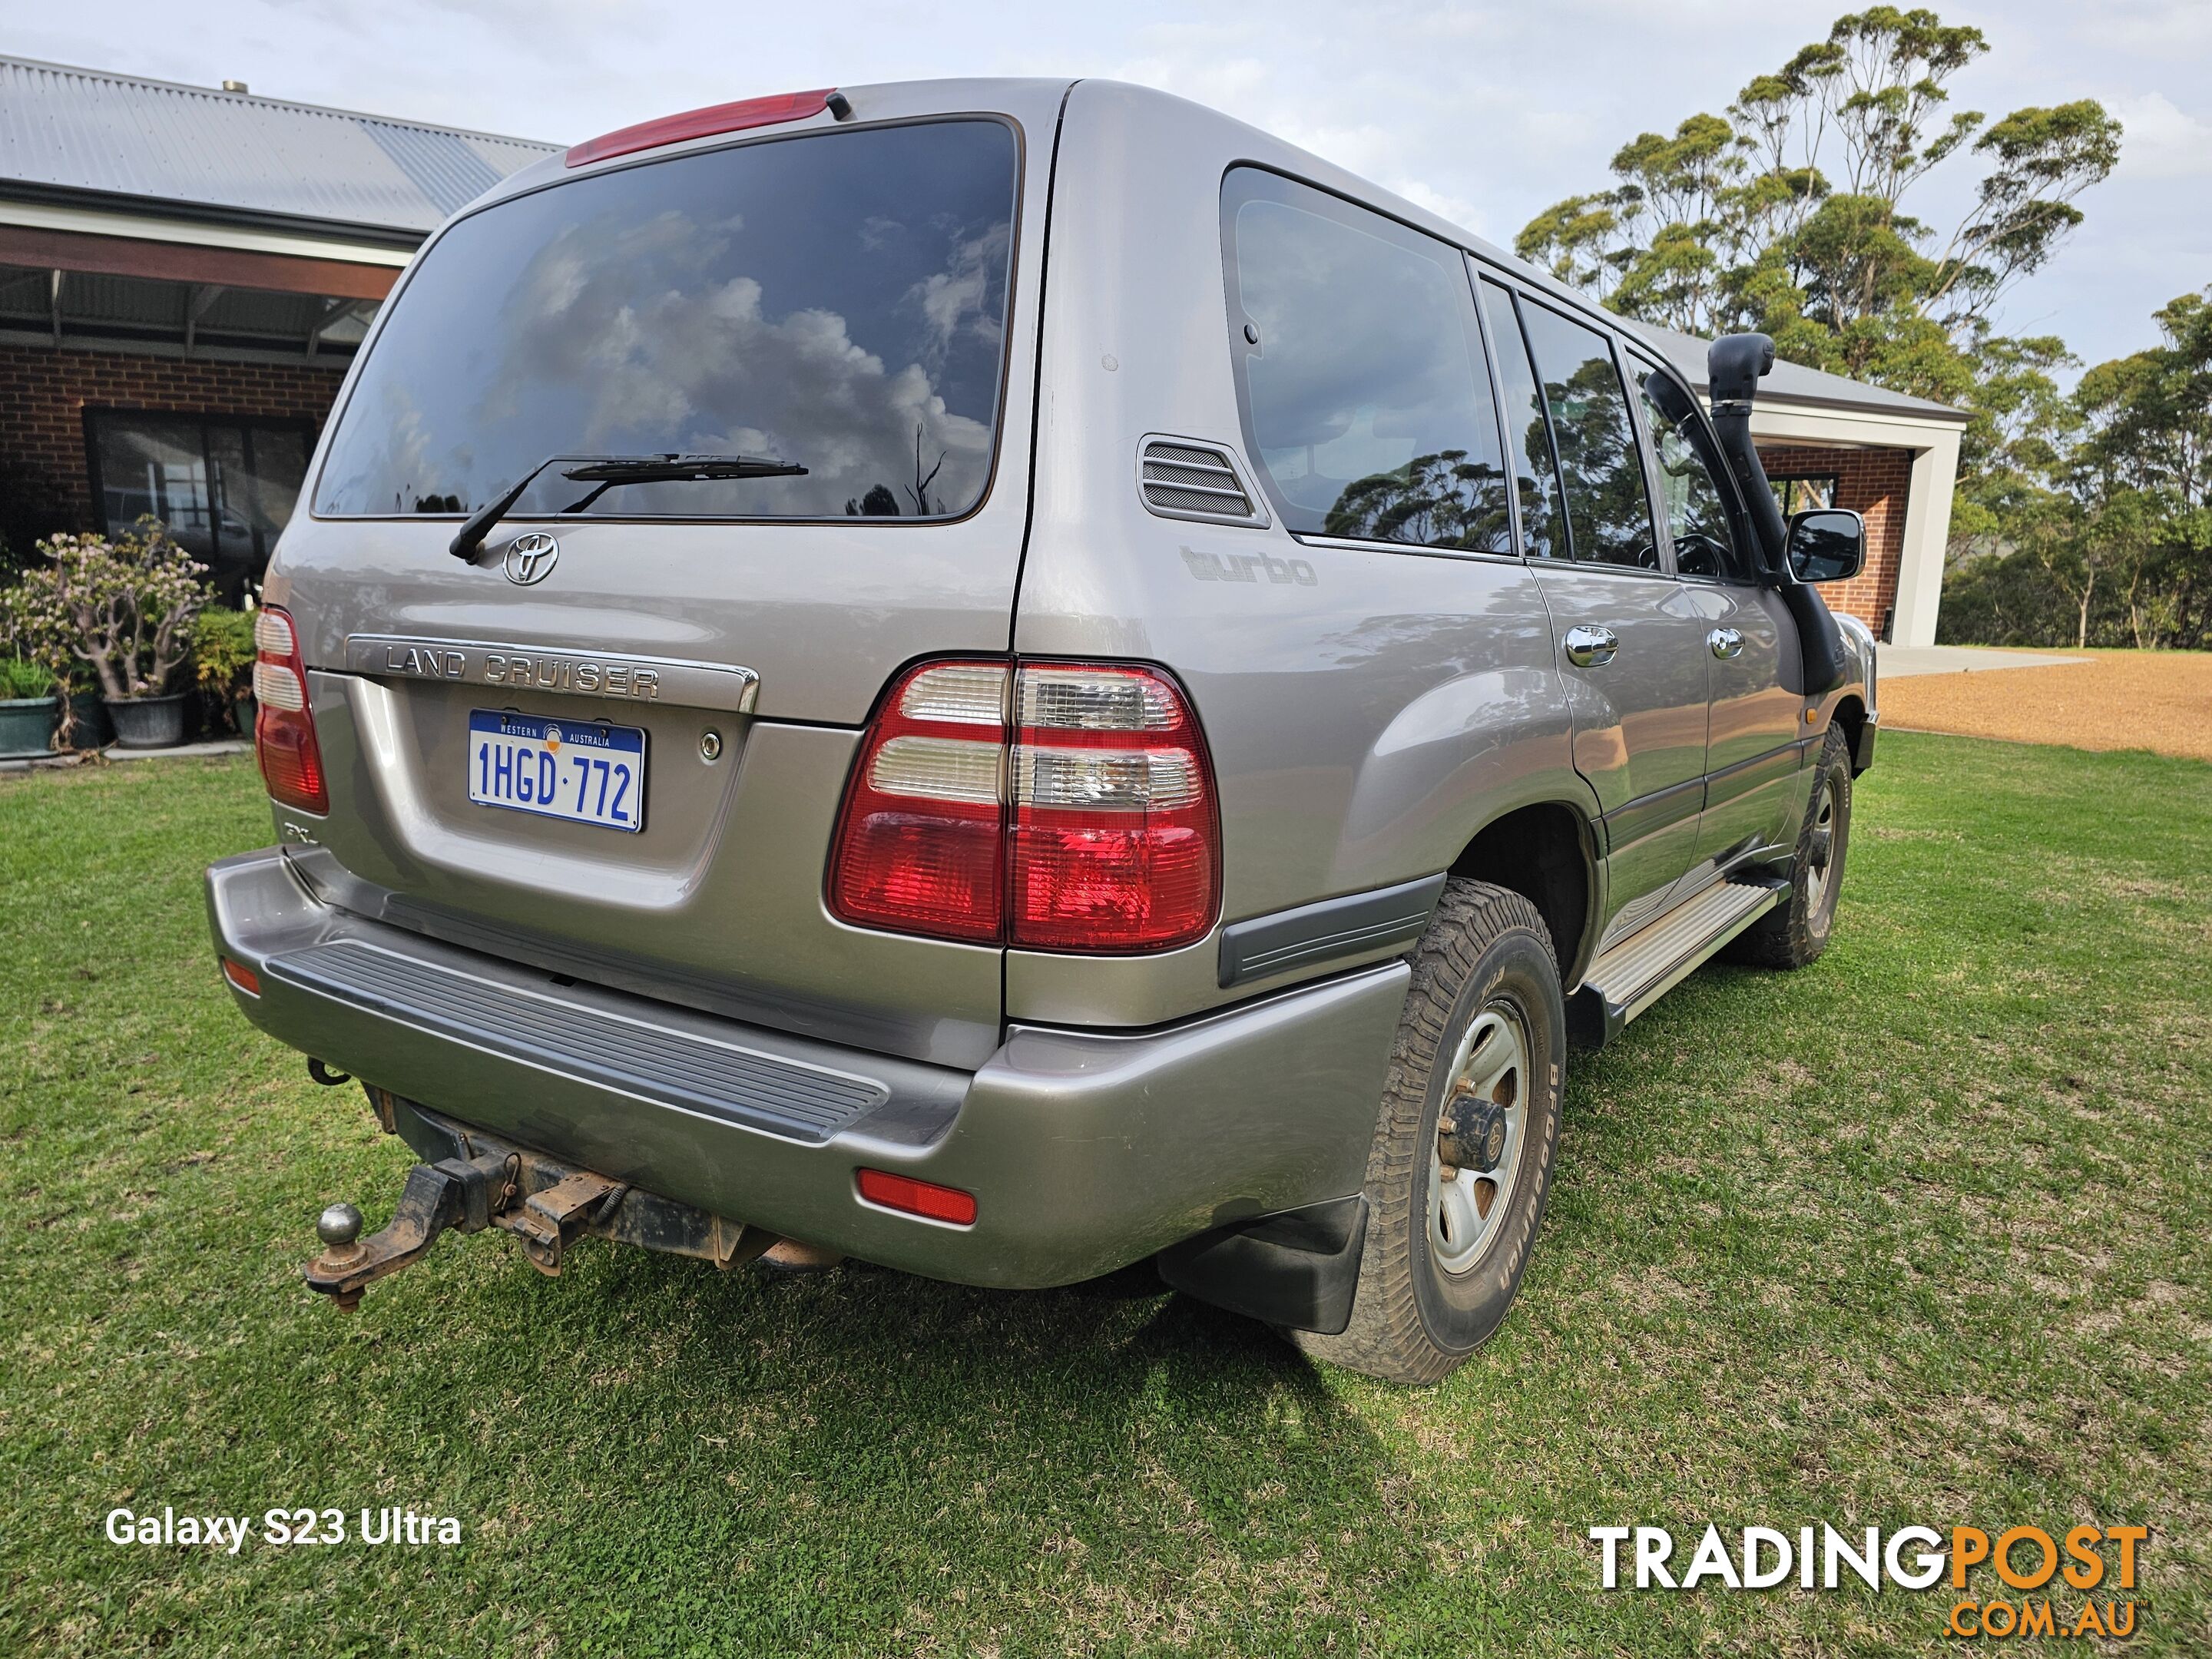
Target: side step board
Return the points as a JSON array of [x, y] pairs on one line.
[[1632, 975]]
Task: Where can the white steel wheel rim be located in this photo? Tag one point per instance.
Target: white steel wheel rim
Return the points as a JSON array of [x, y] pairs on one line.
[[1820, 855], [1466, 1207]]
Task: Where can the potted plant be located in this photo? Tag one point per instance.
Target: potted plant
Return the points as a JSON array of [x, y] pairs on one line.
[[125, 607], [27, 707], [223, 662]]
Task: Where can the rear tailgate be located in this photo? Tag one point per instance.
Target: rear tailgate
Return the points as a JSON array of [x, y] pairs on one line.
[[859, 300]]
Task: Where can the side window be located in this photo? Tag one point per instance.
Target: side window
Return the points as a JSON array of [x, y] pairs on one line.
[[1535, 479], [1690, 492], [1366, 400], [1608, 507]]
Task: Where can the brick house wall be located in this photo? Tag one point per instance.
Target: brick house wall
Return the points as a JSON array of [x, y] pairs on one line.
[[45, 483], [1877, 484]]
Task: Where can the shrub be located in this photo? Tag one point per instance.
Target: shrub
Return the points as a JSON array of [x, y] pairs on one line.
[[123, 607], [223, 649], [22, 678]]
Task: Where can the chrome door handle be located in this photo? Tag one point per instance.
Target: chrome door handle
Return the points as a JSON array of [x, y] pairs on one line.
[[1726, 643], [1590, 647]]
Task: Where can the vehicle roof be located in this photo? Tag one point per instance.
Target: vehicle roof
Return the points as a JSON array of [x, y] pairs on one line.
[[94, 138]]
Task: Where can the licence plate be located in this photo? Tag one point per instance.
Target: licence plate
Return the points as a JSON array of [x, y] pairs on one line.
[[579, 770]]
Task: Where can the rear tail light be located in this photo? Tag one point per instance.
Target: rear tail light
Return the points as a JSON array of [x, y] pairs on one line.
[[927, 1198], [920, 845], [242, 976], [1114, 837], [1056, 806], [284, 726]]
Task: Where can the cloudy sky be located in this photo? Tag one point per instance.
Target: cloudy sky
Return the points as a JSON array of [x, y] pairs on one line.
[[1487, 109]]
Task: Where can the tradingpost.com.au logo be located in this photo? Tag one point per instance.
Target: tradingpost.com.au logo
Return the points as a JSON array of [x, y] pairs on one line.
[[2048, 1586]]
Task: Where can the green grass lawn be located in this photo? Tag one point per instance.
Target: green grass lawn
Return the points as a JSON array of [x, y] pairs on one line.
[[1917, 1235]]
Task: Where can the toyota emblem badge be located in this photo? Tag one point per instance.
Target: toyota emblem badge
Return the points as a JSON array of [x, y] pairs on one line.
[[530, 557]]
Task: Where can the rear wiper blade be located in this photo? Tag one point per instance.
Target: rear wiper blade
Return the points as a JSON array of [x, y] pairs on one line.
[[672, 469], [609, 470]]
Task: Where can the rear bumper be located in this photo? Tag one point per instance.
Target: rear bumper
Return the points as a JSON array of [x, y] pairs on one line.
[[1085, 1150]]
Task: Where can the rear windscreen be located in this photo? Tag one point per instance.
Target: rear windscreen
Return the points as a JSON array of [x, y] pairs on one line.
[[837, 301]]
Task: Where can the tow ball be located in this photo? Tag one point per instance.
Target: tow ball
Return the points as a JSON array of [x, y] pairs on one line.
[[462, 1195]]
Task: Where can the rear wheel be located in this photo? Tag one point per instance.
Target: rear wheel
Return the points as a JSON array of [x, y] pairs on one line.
[[1795, 932], [1462, 1159]]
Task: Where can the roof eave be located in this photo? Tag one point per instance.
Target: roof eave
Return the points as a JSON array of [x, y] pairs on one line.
[[1938, 414], [400, 238]]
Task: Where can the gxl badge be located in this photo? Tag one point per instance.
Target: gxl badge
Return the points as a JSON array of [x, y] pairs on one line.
[[530, 557]]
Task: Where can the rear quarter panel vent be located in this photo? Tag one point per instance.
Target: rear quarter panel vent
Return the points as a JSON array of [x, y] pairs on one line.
[[1188, 478]]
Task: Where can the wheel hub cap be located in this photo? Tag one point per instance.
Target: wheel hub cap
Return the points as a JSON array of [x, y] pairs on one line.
[[1480, 1132]]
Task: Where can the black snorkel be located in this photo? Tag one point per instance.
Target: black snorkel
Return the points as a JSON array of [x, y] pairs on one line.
[[1734, 366]]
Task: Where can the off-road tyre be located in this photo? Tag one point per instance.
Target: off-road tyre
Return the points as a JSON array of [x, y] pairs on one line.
[[1485, 948], [1795, 932]]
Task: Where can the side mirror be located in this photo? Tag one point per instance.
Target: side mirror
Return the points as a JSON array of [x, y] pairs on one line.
[[1826, 545]]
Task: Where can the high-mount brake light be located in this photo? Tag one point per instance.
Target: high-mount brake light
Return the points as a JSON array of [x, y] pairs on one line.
[[1056, 806], [702, 122], [283, 725]]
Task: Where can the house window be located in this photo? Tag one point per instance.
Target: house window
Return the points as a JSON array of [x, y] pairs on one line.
[[1802, 492], [223, 484]]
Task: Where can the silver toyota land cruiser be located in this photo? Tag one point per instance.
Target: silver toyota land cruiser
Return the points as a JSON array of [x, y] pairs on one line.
[[1010, 678]]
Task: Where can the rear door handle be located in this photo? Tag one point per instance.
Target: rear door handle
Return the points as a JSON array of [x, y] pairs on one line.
[[1726, 643], [1591, 646]]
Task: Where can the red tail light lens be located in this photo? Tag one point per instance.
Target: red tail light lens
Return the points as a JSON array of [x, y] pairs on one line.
[[919, 848], [700, 123], [284, 726], [1081, 819], [898, 1192], [242, 976], [1115, 836]]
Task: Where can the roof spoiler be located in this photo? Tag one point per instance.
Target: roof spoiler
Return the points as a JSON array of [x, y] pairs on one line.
[[1735, 364]]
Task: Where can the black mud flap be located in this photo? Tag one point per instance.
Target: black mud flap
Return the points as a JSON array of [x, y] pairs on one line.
[[1296, 1269], [1862, 746]]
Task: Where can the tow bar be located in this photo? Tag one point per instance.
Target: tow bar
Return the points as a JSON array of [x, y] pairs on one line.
[[482, 1183]]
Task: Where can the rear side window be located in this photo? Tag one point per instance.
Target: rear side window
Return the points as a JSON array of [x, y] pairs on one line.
[[1608, 506], [1527, 436], [1698, 518], [1366, 399], [837, 301]]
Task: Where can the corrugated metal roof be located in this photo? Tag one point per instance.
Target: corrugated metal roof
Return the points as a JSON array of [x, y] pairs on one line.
[[71, 129], [1794, 382]]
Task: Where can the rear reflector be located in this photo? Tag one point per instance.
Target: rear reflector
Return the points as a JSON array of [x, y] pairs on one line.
[[242, 976], [1075, 814], [701, 122], [283, 725], [924, 1198]]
